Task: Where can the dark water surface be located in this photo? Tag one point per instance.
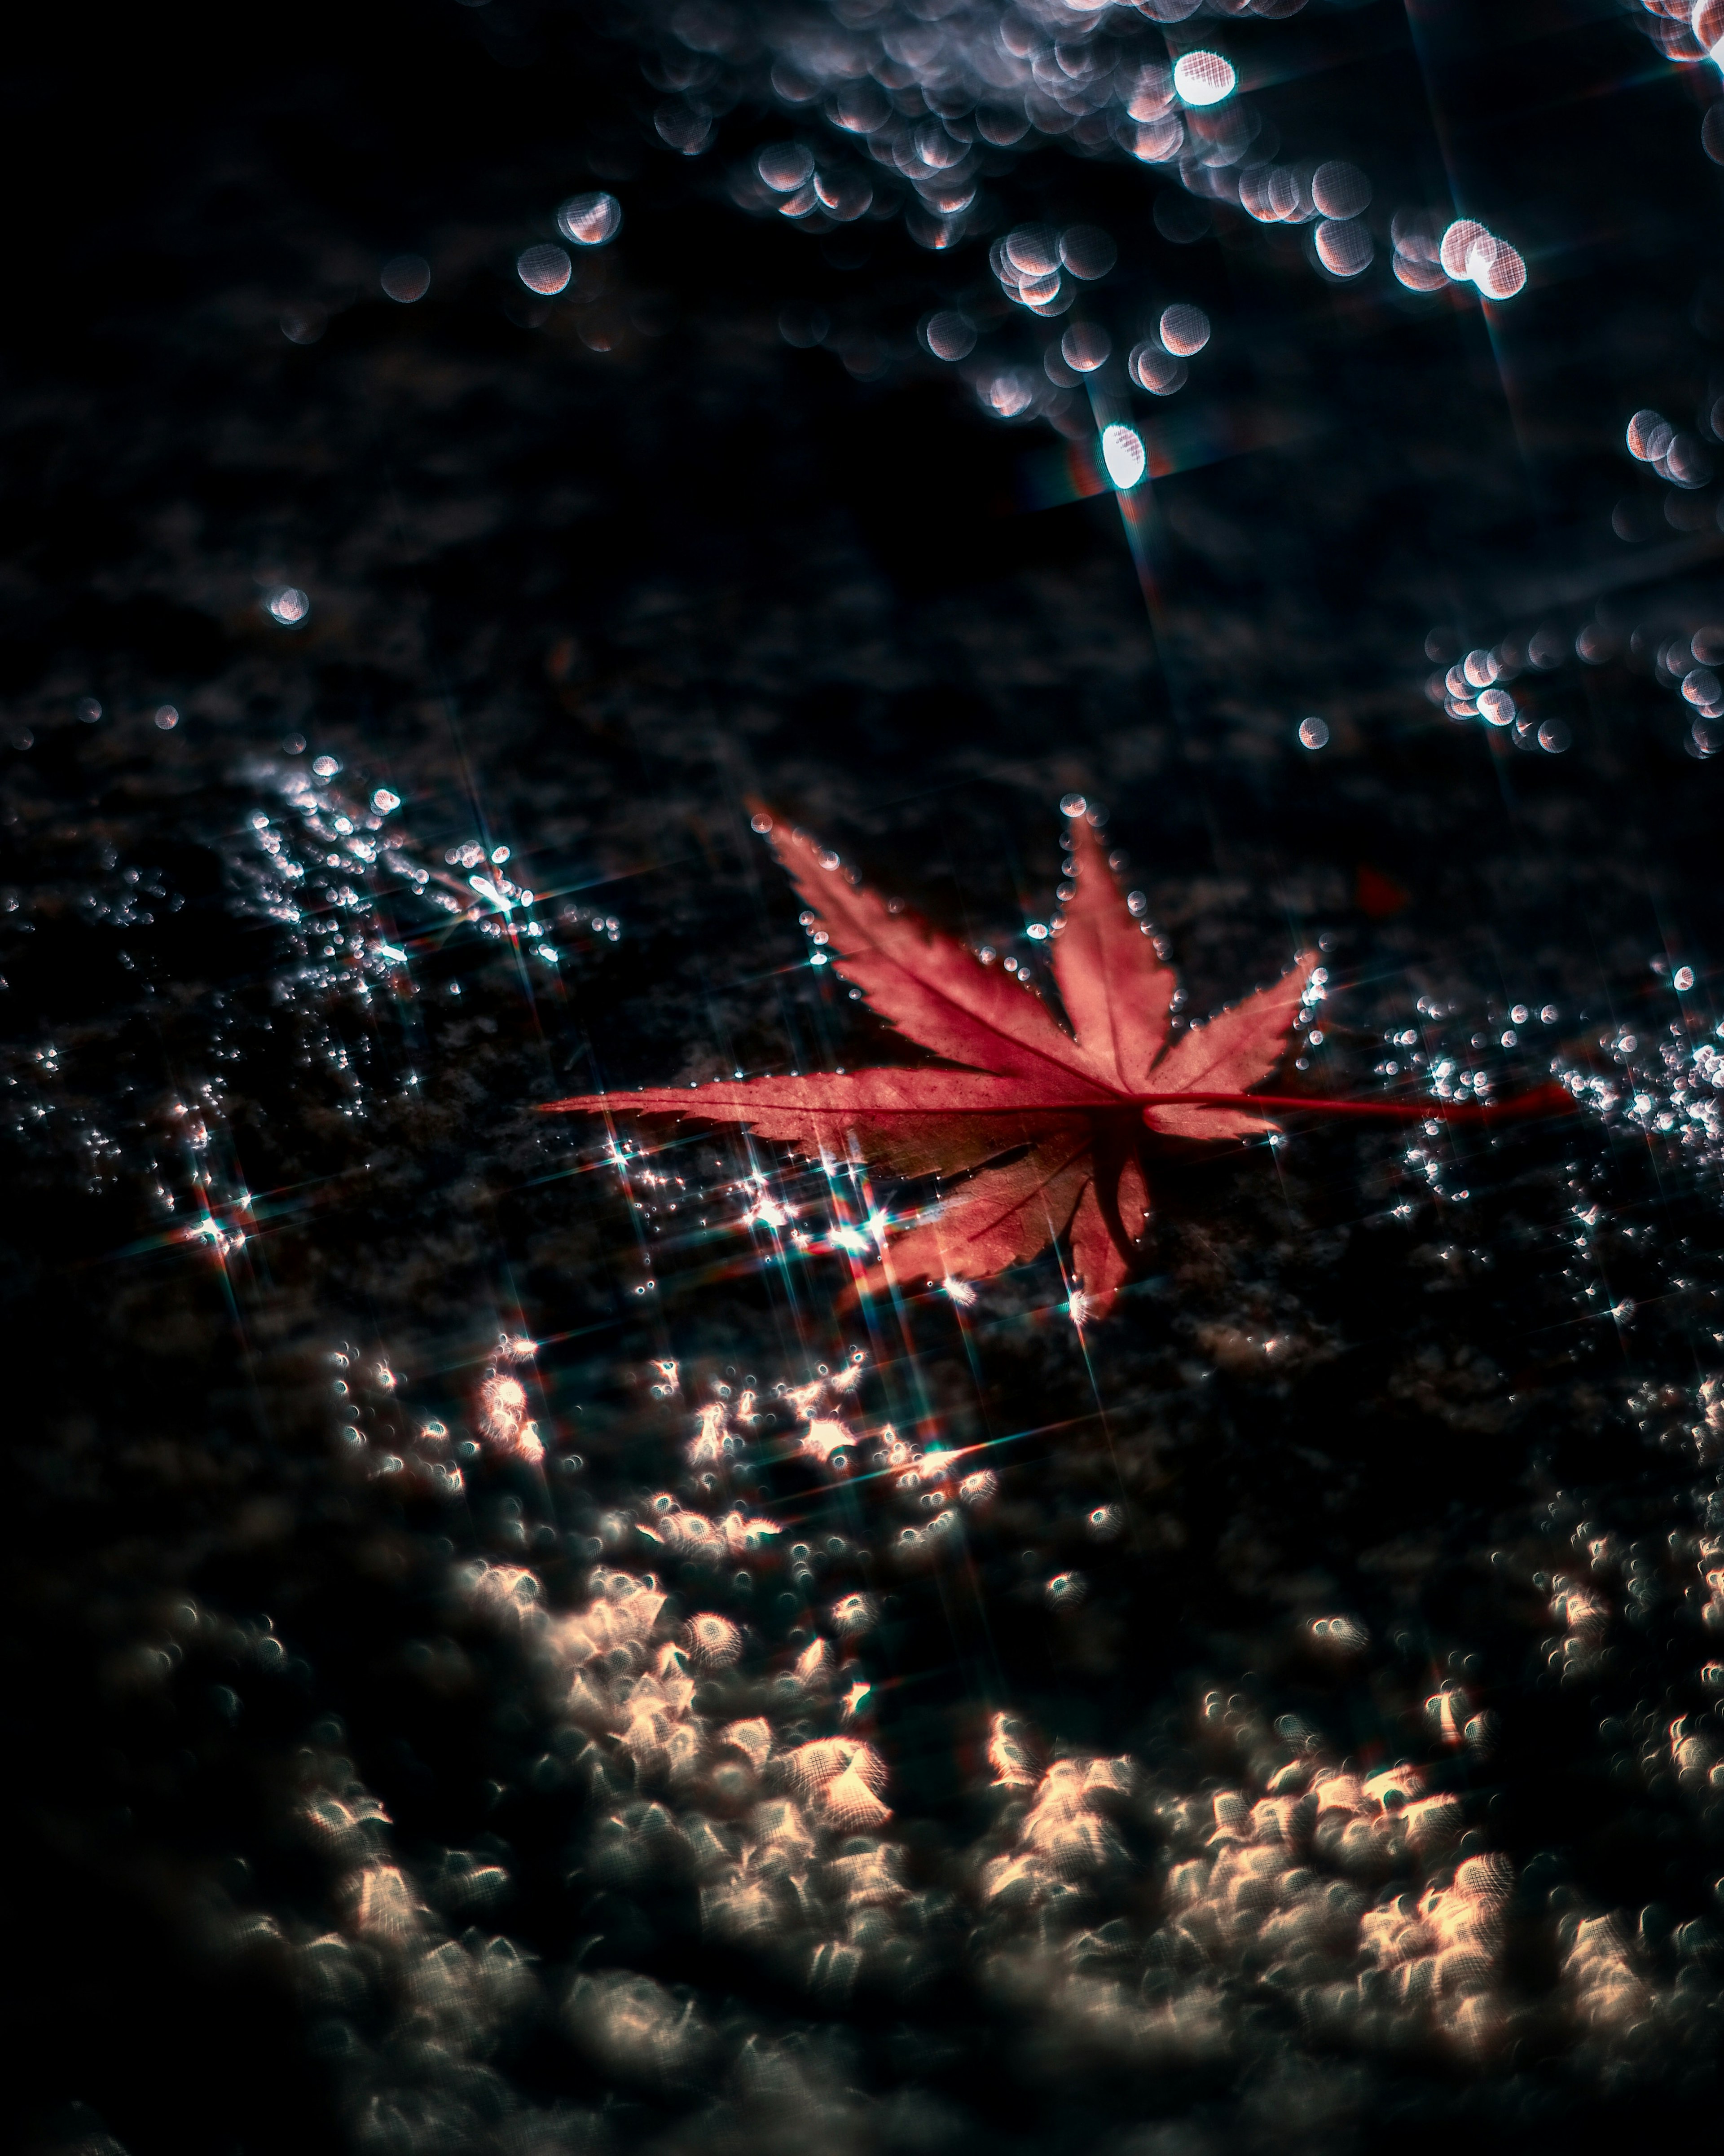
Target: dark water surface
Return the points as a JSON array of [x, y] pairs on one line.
[[444, 1712]]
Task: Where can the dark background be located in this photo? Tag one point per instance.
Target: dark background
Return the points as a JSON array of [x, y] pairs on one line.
[[582, 603]]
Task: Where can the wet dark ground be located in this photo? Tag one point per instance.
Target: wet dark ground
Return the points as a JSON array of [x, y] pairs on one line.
[[1402, 1450]]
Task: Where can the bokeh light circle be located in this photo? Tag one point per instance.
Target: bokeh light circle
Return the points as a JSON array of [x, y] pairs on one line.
[[405, 278], [785, 167], [1343, 247], [1123, 454], [304, 325], [1496, 707], [591, 220], [1495, 268], [544, 270], [949, 335], [1459, 237], [1085, 347], [1340, 190], [1649, 435], [1158, 372], [1184, 329], [1087, 252], [1032, 250], [1204, 78]]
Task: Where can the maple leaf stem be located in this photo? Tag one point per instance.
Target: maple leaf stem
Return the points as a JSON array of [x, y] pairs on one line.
[[1549, 1100]]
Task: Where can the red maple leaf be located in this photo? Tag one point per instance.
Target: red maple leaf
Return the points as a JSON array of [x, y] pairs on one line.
[[1048, 1128]]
